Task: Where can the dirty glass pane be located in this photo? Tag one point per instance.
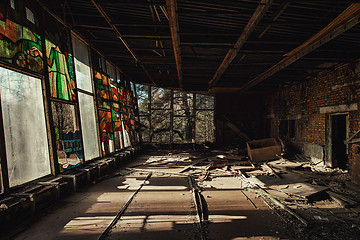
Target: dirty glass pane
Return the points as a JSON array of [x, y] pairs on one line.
[[89, 126], [204, 102], [127, 142], [68, 136], [110, 71], [160, 122], [182, 130], [183, 104], [205, 129], [26, 141], [82, 65], [161, 98]]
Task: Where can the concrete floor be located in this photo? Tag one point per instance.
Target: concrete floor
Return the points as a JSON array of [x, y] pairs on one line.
[[164, 208]]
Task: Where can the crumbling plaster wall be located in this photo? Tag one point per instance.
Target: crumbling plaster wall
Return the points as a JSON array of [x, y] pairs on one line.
[[313, 101]]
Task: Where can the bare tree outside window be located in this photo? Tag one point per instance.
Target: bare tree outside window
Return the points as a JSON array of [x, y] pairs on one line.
[[173, 116]]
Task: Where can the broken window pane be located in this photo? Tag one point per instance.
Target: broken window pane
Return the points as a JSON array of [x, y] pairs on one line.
[[26, 141], [89, 126], [68, 136], [205, 129], [82, 65]]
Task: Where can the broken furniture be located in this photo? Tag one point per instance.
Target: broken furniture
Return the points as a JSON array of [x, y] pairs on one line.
[[264, 149]]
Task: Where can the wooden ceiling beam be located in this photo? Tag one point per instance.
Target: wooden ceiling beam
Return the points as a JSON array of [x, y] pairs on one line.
[[256, 17], [346, 20], [120, 36], [276, 15], [172, 10]]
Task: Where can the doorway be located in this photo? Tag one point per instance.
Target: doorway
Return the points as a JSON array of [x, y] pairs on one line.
[[338, 136]]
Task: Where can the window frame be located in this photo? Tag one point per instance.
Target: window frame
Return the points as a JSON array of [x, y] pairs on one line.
[[5, 183]]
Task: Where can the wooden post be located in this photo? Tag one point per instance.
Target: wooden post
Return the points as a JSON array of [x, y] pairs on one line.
[[172, 117]]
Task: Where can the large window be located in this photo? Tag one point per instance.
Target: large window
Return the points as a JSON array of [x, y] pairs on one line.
[[26, 140], [174, 116], [86, 100], [205, 129]]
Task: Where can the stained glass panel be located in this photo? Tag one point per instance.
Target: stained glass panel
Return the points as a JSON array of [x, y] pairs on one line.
[[20, 46], [68, 136], [102, 83], [61, 72]]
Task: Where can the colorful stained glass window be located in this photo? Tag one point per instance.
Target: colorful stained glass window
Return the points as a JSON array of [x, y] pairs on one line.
[[61, 72], [68, 136], [107, 130], [20, 46], [102, 83]]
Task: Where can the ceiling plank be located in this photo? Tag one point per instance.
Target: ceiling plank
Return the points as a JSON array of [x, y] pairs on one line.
[[275, 17], [120, 36], [346, 20], [256, 17], [172, 10]]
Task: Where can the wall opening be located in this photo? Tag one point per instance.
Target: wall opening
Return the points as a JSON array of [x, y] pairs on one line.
[[338, 136]]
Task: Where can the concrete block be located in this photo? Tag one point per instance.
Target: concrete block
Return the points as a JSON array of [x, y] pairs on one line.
[[314, 151], [78, 177], [40, 196], [64, 186], [92, 172], [339, 108]]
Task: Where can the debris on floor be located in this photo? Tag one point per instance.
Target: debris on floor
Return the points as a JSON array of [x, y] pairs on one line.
[[306, 195]]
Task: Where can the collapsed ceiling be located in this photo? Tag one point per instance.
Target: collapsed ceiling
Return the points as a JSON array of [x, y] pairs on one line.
[[212, 46]]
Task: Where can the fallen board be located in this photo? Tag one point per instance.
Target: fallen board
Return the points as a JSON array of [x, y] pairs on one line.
[[226, 183], [305, 190]]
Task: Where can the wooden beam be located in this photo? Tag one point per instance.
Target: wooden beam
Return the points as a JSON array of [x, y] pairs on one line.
[[256, 17], [276, 15], [346, 20], [120, 36], [172, 9]]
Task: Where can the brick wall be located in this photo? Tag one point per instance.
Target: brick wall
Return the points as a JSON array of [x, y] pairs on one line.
[[340, 86], [337, 87]]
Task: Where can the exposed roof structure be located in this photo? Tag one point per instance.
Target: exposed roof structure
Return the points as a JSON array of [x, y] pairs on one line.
[[217, 45]]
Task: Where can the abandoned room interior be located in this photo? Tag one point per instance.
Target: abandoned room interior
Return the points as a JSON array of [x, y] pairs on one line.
[[179, 119]]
